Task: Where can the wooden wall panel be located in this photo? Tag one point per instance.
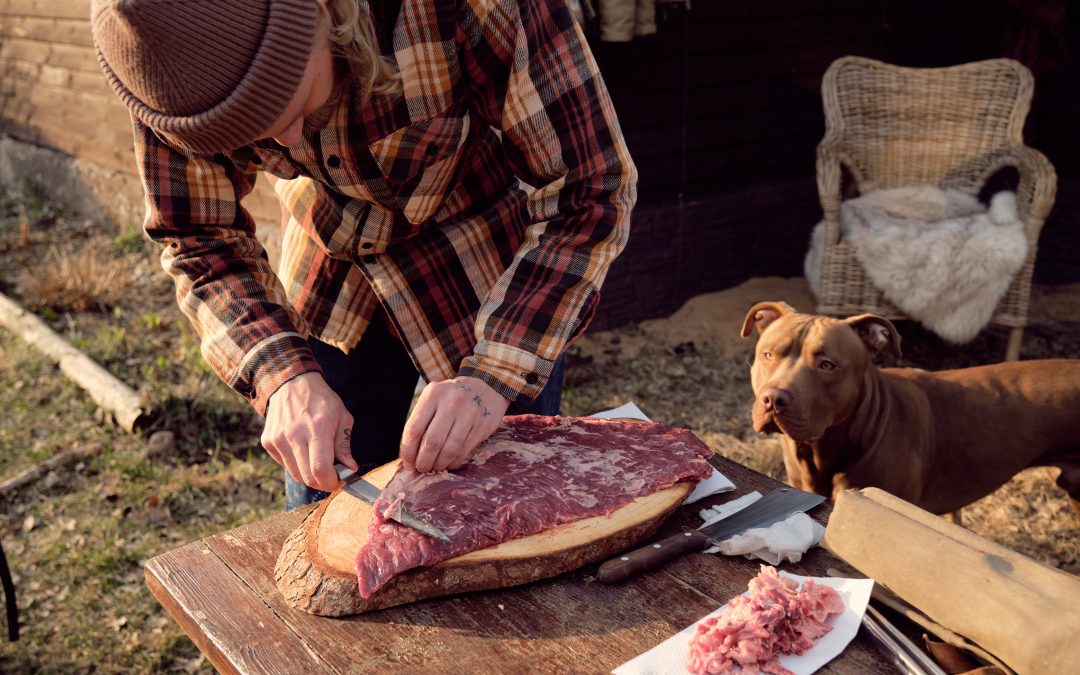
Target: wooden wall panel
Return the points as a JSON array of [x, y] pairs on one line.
[[53, 94], [63, 31], [73, 57], [721, 110], [46, 9]]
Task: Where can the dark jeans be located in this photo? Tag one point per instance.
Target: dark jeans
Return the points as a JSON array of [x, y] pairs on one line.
[[376, 381]]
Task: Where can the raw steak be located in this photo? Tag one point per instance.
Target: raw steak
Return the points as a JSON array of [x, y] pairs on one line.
[[535, 473], [775, 617]]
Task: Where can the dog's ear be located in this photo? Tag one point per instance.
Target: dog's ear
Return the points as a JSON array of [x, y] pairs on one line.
[[764, 313], [876, 332]]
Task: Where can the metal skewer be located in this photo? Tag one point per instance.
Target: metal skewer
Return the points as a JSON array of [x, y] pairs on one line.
[[902, 652]]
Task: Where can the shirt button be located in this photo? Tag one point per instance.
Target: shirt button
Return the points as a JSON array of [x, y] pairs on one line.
[[366, 244], [333, 161], [531, 378], [368, 259]]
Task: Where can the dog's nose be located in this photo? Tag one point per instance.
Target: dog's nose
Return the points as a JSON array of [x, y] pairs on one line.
[[775, 400]]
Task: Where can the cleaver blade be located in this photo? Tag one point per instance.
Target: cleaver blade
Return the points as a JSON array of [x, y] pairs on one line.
[[366, 492], [770, 509]]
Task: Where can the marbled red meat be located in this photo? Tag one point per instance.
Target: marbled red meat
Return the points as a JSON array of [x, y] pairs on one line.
[[535, 473], [776, 617]]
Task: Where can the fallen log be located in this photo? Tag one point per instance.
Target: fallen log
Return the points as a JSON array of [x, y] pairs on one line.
[[119, 401], [30, 474]]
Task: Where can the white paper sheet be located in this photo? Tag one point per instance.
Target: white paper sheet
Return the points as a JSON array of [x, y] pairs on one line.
[[625, 411], [714, 484], [670, 656]]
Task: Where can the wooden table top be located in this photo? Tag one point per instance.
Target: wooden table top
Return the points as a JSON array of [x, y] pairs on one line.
[[221, 591]]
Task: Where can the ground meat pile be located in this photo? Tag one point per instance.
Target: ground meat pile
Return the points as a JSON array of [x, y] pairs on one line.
[[535, 473], [776, 617]]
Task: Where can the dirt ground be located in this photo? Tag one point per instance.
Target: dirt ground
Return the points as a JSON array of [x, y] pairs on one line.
[[692, 370]]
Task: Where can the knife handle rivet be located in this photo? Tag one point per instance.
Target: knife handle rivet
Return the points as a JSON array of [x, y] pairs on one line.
[[624, 558], [656, 545], [688, 534]]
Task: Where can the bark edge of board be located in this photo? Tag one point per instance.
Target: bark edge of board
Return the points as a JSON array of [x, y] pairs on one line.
[[308, 582]]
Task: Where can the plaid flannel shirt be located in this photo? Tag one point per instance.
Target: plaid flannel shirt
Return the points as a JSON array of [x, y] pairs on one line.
[[481, 207]]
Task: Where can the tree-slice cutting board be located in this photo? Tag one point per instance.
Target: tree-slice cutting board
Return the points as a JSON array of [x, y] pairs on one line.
[[316, 571]]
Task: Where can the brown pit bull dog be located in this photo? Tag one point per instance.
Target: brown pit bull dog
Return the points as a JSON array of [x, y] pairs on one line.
[[938, 440]]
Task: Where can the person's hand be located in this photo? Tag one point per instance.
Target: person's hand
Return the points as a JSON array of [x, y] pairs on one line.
[[450, 419], [307, 428]]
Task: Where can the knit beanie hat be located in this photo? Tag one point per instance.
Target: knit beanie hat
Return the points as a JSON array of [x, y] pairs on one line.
[[206, 75]]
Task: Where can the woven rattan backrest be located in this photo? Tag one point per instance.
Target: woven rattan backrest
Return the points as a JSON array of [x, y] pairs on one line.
[[901, 126]]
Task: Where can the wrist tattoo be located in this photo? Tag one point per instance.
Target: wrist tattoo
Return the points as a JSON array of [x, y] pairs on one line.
[[348, 434], [483, 408]]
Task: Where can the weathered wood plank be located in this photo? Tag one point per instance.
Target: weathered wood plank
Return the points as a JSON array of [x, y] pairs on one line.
[[68, 130], [31, 73], [523, 628], [561, 623], [50, 9], [63, 31], [411, 637], [565, 624], [576, 624], [226, 620], [95, 149], [101, 107], [75, 57]]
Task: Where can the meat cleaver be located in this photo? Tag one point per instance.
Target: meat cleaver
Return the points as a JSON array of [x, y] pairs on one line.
[[366, 492], [770, 509]]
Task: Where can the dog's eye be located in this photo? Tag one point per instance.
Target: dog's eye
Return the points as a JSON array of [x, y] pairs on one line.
[[766, 355], [826, 365]]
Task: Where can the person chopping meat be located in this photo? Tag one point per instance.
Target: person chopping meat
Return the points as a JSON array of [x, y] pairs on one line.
[[454, 187]]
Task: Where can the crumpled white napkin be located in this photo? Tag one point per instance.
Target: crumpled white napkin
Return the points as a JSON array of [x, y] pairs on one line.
[[786, 540]]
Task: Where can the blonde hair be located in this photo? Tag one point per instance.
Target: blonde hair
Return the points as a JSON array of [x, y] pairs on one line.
[[353, 38]]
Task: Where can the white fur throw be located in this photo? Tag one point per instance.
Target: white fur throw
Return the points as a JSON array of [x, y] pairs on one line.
[[940, 256]]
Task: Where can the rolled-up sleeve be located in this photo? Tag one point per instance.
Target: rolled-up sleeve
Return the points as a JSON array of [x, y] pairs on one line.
[[250, 334], [531, 75]]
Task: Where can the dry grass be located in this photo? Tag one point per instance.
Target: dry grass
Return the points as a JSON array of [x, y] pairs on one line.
[[88, 278], [77, 537]]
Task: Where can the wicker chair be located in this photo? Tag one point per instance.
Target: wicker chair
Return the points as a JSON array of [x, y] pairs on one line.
[[949, 127]]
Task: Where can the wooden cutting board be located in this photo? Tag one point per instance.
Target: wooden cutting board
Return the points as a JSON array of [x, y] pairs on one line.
[[316, 570]]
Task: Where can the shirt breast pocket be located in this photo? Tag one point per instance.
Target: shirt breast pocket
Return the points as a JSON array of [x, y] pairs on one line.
[[418, 162]]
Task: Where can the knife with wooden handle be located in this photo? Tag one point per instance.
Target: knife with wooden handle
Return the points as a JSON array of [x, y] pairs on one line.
[[770, 509]]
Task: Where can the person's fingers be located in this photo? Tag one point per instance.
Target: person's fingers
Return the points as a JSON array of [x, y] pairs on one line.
[[454, 450], [343, 443], [342, 440], [434, 438], [329, 440], [416, 426], [272, 442], [321, 463], [477, 435], [289, 462], [271, 449], [299, 451]]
